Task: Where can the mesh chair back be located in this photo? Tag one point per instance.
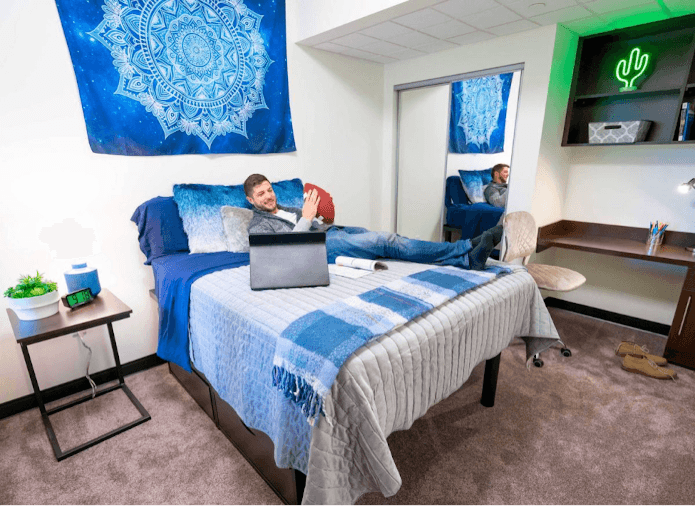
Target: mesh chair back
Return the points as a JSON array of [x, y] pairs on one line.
[[521, 236]]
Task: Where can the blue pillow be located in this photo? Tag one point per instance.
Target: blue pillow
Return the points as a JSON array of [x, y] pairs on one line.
[[200, 204], [474, 183], [160, 229]]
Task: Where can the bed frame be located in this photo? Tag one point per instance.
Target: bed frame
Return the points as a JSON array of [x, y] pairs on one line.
[[256, 446]]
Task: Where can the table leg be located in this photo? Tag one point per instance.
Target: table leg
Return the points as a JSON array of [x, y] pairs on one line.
[[42, 408], [114, 348]]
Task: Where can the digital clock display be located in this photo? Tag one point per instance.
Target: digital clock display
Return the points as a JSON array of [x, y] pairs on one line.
[[78, 298]]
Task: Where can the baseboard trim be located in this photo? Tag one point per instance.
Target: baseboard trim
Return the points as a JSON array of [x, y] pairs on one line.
[[16, 406], [602, 314]]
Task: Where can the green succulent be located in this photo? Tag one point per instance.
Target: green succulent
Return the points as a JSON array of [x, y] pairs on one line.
[[31, 286]]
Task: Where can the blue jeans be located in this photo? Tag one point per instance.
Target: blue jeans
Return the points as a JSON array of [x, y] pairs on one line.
[[361, 243]]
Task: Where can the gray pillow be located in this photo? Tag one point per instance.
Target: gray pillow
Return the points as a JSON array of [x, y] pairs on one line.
[[235, 222]]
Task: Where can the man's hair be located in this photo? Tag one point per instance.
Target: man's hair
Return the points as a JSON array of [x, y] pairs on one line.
[[251, 182], [497, 169]]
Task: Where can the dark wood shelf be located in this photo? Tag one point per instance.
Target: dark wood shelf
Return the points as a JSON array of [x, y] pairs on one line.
[[626, 94], [669, 80], [643, 143]]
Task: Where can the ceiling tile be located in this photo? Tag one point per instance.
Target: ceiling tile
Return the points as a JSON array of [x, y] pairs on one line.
[[384, 30], [602, 6], [383, 48], [471, 38], [567, 14], [528, 8], [461, 8], [440, 45], [514, 27], [422, 19], [493, 17], [407, 53], [413, 39], [449, 29], [329, 46], [354, 40]]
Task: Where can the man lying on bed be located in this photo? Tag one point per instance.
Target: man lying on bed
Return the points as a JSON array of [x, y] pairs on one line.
[[360, 242]]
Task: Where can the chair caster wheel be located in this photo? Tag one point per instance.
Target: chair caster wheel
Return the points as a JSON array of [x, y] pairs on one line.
[[537, 362], [566, 352]]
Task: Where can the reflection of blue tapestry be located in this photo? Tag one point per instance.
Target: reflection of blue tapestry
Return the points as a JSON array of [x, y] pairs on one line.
[[165, 77], [479, 114]]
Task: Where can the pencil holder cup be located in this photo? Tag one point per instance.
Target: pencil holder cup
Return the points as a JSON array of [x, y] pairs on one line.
[[654, 243]]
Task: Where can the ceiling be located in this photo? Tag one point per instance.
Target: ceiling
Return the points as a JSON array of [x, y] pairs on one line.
[[452, 23]]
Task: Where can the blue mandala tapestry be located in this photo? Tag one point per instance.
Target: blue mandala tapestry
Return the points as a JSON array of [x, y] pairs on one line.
[[171, 77], [479, 114]]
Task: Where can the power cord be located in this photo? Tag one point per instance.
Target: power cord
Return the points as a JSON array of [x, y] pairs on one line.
[[89, 359]]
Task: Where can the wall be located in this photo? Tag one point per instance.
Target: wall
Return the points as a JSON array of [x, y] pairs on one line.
[[52, 182], [534, 49], [467, 161]]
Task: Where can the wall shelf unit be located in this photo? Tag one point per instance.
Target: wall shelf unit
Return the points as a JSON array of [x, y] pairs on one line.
[[669, 80]]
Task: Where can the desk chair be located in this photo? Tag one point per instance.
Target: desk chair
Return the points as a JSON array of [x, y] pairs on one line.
[[521, 237]]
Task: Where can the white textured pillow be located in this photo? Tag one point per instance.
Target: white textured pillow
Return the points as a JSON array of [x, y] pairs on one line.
[[235, 222]]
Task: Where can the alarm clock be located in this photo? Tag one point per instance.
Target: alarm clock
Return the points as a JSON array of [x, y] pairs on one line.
[[78, 298]]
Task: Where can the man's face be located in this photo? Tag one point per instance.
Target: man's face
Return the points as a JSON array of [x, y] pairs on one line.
[[263, 198], [502, 175]]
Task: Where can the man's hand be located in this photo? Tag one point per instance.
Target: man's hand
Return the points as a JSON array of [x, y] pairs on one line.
[[311, 205]]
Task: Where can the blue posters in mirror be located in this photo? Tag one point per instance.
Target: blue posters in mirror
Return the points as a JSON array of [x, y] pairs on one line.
[[479, 114], [168, 77]]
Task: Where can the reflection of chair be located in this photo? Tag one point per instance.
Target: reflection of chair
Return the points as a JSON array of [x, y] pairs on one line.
[[521, 236]]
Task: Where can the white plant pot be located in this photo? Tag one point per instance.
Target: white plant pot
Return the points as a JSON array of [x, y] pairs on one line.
[[35, 308]]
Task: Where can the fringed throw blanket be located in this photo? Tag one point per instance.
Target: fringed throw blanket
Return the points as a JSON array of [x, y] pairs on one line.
[[311, 350]]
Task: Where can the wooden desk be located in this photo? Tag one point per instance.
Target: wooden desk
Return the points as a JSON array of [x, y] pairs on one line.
[[630, 242]]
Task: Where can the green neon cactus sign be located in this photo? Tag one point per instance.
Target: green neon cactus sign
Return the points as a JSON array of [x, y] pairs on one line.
[[629, 69]]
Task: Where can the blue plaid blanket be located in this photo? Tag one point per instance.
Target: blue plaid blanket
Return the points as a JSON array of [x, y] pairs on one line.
[[311, 350]]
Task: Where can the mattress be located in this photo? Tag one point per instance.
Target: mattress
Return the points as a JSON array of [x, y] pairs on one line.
[[383, 387]]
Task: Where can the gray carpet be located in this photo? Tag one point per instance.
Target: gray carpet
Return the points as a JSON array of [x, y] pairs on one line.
[[580, 430]]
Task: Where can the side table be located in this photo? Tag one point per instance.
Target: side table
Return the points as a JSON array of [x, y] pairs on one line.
[[104, 310]]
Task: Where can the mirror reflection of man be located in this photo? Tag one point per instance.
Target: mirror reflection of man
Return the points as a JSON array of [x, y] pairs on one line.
[[359, 242], [496, 191]]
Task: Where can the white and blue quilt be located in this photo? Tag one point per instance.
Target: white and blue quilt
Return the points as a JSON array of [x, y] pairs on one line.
[[311, 350]]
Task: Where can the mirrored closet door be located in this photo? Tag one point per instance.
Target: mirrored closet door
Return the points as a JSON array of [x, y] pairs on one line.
[[451, 132]]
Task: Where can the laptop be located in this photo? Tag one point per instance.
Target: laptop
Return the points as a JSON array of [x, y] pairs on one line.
[[288, 260]]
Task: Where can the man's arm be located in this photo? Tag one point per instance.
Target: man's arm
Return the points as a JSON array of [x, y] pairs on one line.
[[496, 195]]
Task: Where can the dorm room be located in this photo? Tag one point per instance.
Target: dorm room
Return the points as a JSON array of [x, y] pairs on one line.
[[61, 202]]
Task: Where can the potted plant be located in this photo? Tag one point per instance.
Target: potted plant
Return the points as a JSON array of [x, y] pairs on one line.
[[33, 298]]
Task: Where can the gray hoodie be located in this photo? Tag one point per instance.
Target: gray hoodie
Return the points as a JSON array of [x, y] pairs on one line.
[[263, 221]]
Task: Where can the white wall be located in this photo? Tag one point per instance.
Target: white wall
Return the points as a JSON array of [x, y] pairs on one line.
[[51, 180], [534, 49], [474, 161]]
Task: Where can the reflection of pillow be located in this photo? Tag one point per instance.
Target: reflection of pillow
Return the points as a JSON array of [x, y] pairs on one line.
[[160, 230], [235, 222], [326, 209], [474, 183], [199, 207]]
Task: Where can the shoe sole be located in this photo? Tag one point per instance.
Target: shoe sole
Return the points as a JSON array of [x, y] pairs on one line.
[[660, 364], [643, 373]]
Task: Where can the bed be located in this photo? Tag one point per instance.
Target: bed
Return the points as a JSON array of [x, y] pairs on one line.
[[229, 335]]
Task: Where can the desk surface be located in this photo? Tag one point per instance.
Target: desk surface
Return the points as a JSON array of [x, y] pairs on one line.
[[105, 308], [629, 242]]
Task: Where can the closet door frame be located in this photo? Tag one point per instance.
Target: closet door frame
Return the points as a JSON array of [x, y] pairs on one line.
[[438, 81]]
